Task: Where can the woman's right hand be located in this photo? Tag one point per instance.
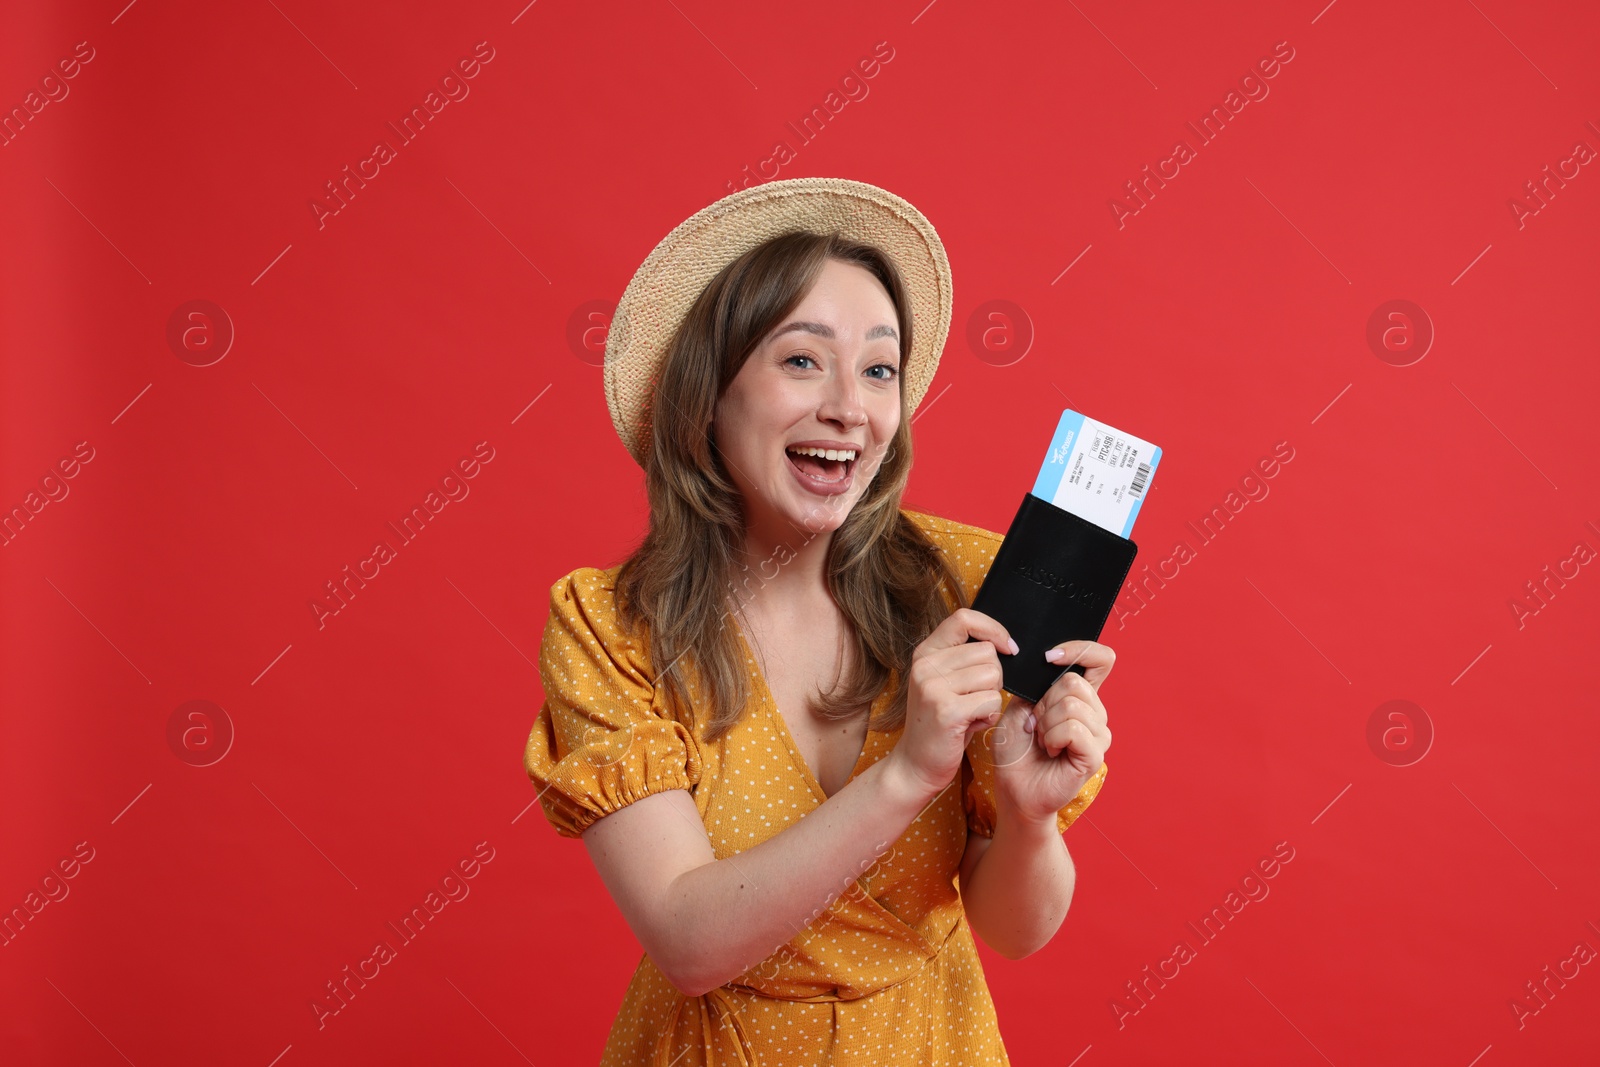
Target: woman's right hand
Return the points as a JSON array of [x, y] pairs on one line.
[[953, 693]]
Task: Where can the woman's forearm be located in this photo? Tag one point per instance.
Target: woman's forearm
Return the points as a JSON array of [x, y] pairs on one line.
[[1019, 891], [729, 915]]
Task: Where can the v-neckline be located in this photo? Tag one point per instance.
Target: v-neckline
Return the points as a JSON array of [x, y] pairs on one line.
[[781, 724]]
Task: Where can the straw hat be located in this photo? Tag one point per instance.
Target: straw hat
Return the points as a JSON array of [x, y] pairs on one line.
[[672, 277]]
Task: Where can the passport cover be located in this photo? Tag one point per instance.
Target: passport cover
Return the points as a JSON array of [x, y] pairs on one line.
[[1053, 579]]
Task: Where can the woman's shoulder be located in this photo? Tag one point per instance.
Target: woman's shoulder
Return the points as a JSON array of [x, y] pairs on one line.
[[585, 632], [969, 549], [590, 590], [591, 581], [948, 532], [585, 600]]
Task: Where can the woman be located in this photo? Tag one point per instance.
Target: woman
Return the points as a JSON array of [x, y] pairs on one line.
[[803, 813]]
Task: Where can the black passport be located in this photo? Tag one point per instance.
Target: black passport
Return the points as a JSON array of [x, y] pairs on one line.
[[1053, 579]]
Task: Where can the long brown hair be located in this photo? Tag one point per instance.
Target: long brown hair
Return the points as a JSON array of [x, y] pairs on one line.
[[883, 572]]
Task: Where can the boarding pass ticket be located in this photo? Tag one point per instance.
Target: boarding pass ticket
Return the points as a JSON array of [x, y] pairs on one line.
[[1097, 472]]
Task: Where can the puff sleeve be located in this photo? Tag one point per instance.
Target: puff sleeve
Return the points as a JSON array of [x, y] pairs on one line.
[[978, 786], [604, 737]]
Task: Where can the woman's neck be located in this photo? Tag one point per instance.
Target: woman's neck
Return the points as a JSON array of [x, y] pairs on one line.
[[786, 564]]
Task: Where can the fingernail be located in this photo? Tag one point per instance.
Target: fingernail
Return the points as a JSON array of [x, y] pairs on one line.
[[1013, 643], [1028, 725], [1055, 655]]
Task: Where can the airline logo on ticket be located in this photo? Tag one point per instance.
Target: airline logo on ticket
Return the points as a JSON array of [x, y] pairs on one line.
[[1097, 472]]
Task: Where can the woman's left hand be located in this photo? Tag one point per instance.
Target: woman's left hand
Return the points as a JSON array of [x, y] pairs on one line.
[[1044, 753]]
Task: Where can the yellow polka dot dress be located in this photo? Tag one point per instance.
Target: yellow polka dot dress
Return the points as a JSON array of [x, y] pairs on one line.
[[889, 973]]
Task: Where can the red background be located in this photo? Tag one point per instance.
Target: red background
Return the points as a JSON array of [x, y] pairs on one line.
[[371, 754]]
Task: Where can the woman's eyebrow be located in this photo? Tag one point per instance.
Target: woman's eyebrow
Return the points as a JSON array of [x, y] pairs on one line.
[[822, 329]]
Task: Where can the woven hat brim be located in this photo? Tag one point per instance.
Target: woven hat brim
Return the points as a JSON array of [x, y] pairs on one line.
[[672, 277]]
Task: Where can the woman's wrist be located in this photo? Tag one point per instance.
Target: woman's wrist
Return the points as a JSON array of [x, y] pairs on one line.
[[904, 785], [1035, 824]]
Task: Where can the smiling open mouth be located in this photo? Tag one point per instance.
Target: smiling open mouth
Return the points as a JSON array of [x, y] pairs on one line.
[[816, 464]]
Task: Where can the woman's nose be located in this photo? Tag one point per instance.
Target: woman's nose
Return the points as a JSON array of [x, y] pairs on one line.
[[842, 402]]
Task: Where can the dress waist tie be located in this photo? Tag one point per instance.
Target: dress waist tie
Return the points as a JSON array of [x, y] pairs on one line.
[[721, 1035], [724, 1039]]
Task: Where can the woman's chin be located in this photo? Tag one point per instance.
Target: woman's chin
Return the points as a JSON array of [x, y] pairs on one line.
[[819, 515]]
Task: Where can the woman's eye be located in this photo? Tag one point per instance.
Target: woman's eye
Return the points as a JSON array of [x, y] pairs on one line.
[[795, 357], [893, 371]]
